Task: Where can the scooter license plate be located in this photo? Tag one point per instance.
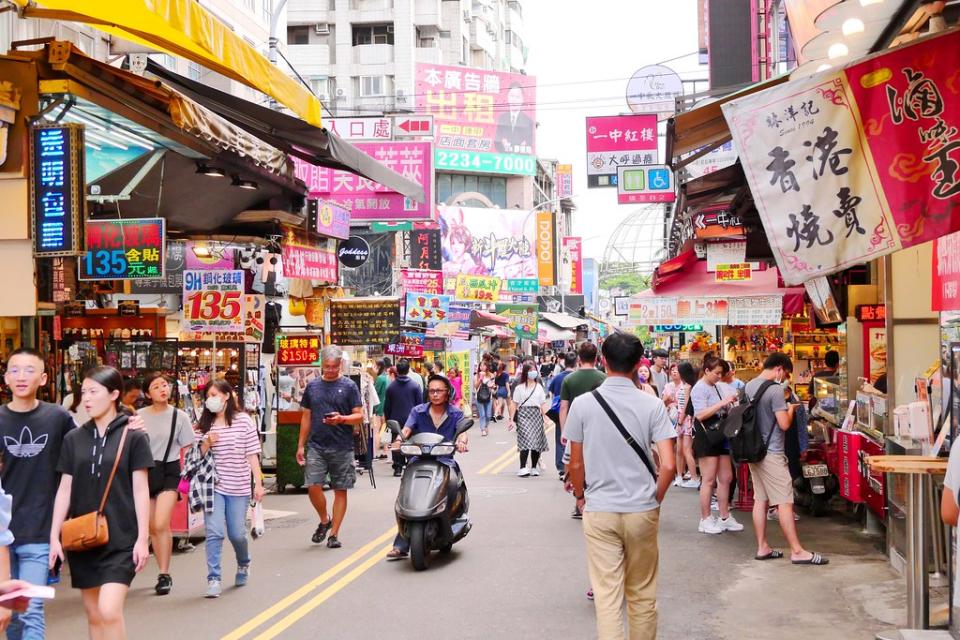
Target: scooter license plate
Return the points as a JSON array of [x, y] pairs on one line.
[[815, 470]]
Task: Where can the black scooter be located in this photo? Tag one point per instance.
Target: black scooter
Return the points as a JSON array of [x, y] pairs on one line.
[[432, 504]]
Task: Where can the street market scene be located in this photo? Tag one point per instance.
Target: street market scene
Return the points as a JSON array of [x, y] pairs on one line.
[[489, 318]]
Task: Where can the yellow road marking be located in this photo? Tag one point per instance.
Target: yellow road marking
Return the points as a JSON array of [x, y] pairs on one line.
[[322, 597], [305, 590], [506, 463], [500, 458]]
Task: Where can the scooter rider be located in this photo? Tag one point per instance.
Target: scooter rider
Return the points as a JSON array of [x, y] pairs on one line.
[[435, 416]]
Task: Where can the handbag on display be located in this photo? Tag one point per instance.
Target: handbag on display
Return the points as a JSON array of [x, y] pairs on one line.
[[90, 530]]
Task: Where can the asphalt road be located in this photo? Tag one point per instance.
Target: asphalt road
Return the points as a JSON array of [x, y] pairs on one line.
[[520, 573]]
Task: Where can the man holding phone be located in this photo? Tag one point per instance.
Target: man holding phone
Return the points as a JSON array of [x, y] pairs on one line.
[[332, 409]]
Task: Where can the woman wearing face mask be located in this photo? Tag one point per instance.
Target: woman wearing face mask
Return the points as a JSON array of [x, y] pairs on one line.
[[87, 458], [528, 406], [709, 404], [232, 437], [643, 380], [169, 431]]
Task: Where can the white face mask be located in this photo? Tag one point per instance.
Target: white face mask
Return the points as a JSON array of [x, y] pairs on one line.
[[214, 404], [532, 375]]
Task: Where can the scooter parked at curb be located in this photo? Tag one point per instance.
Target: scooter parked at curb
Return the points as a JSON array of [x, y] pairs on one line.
[[432, 503]]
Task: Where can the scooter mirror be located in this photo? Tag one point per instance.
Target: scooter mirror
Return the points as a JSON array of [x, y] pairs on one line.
[[464, 425], [393, 426]]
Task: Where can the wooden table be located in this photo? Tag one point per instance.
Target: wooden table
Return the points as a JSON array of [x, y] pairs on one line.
[[915, 468]]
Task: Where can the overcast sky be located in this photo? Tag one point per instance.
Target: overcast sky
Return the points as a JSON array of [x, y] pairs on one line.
[[583, 54]]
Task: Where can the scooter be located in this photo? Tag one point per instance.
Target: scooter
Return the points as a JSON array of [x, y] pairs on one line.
[[432, 504], [817, 485]]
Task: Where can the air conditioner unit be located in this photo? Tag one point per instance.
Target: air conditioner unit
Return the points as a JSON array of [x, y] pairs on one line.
[[322, 29], [340, 93], [401, 96]]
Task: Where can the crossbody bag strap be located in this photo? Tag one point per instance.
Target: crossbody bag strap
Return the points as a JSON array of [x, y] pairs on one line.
[[173, 428], [626, 434], [756, 401], [113, 472]]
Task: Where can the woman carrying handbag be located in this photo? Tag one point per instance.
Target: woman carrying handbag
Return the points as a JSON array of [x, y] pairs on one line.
[[104, 489], [528, 408]]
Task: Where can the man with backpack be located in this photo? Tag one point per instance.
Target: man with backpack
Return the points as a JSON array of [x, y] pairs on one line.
[[769, 419]]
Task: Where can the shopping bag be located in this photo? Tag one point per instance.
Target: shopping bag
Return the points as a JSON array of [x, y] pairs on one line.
[[256, 519]]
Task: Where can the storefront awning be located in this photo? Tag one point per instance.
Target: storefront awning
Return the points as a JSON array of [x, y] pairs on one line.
[[296, 137], [696, 282], [186, 29], [704, 128], [547, 332], [563, 320]]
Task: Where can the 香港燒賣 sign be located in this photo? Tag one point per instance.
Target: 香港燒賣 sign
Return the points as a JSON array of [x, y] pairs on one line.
[[213, 301], [56, 188], [369, 200], [364, 321], [853, 165], [131, 249], [427, 308], [485, 121]]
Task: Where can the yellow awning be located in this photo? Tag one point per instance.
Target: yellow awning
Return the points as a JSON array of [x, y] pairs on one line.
[[183, 28]]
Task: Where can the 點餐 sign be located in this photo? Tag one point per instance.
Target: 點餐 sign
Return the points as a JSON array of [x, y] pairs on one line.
[[213, 301]]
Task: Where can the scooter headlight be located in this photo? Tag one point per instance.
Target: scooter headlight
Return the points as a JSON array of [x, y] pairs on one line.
[[410, 449], [442, 450]]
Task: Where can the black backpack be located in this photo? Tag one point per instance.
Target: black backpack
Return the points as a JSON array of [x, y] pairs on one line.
[[483, 394], [743, 430]]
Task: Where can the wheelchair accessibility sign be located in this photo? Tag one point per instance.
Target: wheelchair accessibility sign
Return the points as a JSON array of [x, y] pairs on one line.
[[645, 184]]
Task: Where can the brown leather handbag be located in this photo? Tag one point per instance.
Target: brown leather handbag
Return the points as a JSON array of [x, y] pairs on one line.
[[90, 530]]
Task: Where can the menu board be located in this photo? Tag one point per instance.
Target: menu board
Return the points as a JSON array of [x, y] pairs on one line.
[[362, 322], [755, 310]]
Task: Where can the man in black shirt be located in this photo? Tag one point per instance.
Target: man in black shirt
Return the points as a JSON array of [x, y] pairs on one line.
[[32, 432]]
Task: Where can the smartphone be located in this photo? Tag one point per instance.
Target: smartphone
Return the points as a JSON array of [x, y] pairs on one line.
[[54, 576], [32, 591]]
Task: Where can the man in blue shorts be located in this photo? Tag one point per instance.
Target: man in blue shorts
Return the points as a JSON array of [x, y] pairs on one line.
[[332, 409]]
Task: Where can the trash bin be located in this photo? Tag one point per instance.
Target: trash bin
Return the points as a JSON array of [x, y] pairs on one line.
[[288, 433]]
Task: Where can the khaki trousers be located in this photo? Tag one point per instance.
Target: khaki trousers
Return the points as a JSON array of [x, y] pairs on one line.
[[622, 555]]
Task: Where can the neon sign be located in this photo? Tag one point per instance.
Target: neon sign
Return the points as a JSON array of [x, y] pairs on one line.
[[56, 188]]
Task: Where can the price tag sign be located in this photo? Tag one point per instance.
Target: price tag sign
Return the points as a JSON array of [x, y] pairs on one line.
[[131, 249], [298, 350], [213, 301]]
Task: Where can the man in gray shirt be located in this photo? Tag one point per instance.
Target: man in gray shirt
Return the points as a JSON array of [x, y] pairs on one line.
[[618, 494], [772, 485], [659, 376]]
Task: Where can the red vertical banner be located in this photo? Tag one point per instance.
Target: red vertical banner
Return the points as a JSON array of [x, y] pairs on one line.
[[945, 294], [572, 259]]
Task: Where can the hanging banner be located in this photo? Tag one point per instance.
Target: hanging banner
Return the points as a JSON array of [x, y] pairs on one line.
[[402, 350], [488, 242], [369, 200], [329, 218], [945, 295], [428, 308], [564, 181], [485, 120], [460, 360], [613, 141], [363, 321], [681, 310], [523, 319], [734, 272], [425, 250], [307, 261], [131, 249], [755, 310], [571, 264], [213, 301], [298, 350], [546, 247], [456, 324], [421, 281], [853, 165], [484, 288]]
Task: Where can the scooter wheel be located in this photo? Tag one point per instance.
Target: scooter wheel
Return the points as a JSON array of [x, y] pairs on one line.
[[419, 553]]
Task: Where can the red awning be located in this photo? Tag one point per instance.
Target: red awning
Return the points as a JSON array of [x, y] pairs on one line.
[[695, 281]]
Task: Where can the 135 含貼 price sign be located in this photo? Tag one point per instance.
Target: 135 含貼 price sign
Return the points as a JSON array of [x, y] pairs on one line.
[[213, 301]]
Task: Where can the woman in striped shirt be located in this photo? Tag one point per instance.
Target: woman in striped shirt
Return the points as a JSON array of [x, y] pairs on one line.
[[232, 436]]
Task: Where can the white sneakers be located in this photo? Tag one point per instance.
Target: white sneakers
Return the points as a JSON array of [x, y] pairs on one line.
[[714, 525], [535, 471], [523, 473], [690, 484], [710, 525]]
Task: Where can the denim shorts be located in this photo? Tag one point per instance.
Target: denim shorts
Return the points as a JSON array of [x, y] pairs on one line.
[[339, 464]]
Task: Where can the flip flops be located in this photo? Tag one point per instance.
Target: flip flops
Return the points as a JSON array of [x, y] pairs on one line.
[[815, 559], [773, 555]]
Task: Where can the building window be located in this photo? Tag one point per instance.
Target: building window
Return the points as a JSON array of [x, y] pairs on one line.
[[372, 34], [453, 184], [193, 71], [298, 35], [371, 86], [320, 86]]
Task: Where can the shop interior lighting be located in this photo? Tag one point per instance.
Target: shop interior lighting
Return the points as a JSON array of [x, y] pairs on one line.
[[104, 140], [93, 146], [852, 26], [210, 170], [244, 184], [201, 251], [837, 50]]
